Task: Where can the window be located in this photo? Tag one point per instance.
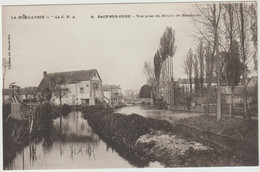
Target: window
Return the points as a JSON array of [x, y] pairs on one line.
[[81, 90], [96, 85]]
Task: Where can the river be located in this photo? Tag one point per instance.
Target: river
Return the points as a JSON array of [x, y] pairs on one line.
[[148, 111], [78, 147]]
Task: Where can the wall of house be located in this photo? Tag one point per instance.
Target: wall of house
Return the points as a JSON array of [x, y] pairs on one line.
[[83, 92], [107, 94], [187, 86], [96, 90], [78, 91]]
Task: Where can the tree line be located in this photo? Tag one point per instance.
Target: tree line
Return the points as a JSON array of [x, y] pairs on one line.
[[227, 36], [227, 42]]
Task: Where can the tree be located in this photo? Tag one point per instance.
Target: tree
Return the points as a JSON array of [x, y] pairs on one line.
[[188, 66], [59, 89], [149, 72], [157, 70], [145, 91], [253, 27], [167, 44], [233, 66], [166, 49], [209, 30], [196, 73], [200, 53], [242, 37]]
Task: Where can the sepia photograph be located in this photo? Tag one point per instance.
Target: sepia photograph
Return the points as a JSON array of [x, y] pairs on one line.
[[130, 85]]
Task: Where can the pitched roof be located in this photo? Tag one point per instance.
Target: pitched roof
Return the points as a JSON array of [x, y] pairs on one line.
[[71, 77]]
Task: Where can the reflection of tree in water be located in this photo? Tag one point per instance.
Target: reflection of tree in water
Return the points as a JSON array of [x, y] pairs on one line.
[[132, 157], [76, 150], [32, 148], [47, 145]]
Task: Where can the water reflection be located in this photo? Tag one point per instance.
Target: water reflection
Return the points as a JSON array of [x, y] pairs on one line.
[[148, 111], [77, 147]]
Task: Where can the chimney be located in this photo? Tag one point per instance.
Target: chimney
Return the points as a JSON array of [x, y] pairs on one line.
[[44, 73]]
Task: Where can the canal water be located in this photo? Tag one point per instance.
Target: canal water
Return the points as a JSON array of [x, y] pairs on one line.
[[78, 147], [148, 111]]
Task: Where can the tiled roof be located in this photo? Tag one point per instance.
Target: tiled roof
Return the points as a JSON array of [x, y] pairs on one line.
[[71, 77]]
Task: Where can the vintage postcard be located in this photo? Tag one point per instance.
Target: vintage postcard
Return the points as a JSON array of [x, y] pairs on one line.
[[130, 85]]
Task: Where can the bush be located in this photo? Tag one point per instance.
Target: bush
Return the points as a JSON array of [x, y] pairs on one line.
[[65, 109], [121, 129]]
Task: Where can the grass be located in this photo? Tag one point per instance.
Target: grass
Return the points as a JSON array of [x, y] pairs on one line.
[[235, 128]]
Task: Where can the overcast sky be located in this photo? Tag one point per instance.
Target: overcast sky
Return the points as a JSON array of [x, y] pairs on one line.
[[117, 48]]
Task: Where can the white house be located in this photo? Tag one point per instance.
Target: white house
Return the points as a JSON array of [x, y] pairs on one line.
[[185, 83], [84, 86], [112, 94]]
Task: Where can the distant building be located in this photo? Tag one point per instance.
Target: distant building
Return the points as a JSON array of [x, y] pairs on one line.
[[7, 93], [84, 86], [238, 93], [27, 94], [131, 94], [185, 83], [112, 95]]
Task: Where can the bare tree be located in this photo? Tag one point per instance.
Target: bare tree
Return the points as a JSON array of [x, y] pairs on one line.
[[200, 54], [188, 66], [252, 12], [59, 89], [196, 74], [230, 31], [149, 72], [58, 85], [242, 36], [208, 27]]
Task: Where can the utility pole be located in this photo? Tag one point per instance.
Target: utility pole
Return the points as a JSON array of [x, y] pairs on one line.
[[5, 64]]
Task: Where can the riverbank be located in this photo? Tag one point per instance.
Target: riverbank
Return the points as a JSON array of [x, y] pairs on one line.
[[122, 131], [173, 145], [15, 137], [236, 135]]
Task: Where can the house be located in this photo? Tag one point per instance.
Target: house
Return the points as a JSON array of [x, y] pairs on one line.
[[238, 93], [7, 93], [83, 87], [112, 94], [27, 94], [185, 83]]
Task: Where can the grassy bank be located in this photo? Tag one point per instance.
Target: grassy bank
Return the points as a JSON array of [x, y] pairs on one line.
[[236, 135], [122, 131], [236, 128], [146, 139]]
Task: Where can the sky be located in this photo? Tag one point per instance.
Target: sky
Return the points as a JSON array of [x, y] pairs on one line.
[[116, 47]]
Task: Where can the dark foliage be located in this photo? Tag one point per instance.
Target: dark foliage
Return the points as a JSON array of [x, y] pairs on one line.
[[157, 66], [145, 91]]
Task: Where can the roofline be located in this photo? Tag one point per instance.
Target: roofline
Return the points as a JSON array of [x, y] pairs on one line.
[[93, 74], [70, 71]]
